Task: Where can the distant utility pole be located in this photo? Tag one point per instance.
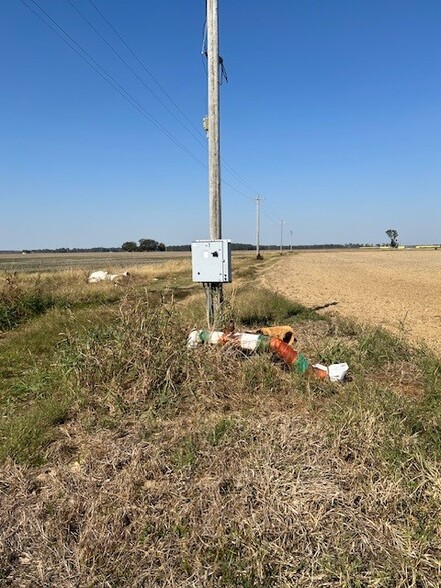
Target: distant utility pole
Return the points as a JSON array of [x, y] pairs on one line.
[[214, 290], [258, 199], [282, 222], [290, 247]]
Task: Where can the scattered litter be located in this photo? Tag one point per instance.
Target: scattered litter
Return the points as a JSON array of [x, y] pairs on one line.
[[319, 366], [263, 342], [338, 371], [294, 358], [284, 332], [248, 341], [101, 276]]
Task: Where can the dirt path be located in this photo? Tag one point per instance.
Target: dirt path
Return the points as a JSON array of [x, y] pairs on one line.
[[399, 290]]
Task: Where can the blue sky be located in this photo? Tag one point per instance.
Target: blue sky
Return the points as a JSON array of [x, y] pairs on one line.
[[332, 113]]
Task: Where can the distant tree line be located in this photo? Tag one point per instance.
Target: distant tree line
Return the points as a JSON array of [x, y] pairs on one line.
[[143, 245], [152, 245], [234, 247], [250, 247], [68, 250], [328, 246]]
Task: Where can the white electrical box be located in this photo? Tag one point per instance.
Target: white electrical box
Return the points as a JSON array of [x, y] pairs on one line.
[[211, 260]]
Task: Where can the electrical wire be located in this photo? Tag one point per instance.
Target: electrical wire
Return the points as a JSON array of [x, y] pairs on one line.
[[197, 136], [144, 67], [159, 86], [271, 218], [116, 86], [150, 90], [106, 76], [273, 212], [141, 63]]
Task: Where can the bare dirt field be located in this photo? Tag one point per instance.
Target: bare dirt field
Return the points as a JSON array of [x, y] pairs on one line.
[[398, 290]]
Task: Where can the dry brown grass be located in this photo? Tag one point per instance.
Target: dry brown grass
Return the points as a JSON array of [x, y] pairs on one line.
[[206, 467], [273, 503]]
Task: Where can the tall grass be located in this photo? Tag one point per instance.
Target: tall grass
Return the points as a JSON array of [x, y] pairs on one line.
[[18, 304], [164, 466]]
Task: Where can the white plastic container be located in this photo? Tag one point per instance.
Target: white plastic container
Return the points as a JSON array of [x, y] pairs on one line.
[[337, 372]]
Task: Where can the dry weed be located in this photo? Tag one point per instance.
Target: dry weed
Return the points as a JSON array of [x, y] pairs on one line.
[[188, 468], [272, 503]]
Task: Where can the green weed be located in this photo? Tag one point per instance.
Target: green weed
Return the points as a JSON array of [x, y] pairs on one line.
[[219, 431], [256, 308], [18, 305], [186, 454], [25, 435]]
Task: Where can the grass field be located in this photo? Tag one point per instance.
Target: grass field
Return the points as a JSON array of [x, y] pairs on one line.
[[129, 460]]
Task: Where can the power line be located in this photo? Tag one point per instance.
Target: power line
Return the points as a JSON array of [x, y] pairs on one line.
[[272, 210], [144, 67], [107, 77], [246, 184], [138, 77], [153, 93], [118, 88], [110, 79], [224, 182], [141, 63]]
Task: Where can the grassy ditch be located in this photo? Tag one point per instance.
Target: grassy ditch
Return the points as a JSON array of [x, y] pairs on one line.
[[129, 459], [18, 305], [25, 296]]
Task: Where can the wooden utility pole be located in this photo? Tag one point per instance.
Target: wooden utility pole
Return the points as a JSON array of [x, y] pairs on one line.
[[258, 199], [213, 290], [213, 118]]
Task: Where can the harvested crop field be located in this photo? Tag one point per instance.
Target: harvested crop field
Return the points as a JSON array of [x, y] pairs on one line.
[[398, 290], [53, 262]]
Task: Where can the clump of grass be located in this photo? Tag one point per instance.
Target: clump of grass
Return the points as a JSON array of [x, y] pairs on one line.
[[379, 346], [142, 358], [256, 307], [24, 436], [34, 379], [23, 298], [425, 414], [19, 303], [137, 358], [220, 431], [430, 365]]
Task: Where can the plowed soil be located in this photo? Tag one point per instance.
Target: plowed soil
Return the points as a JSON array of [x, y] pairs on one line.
[[398, 290]]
